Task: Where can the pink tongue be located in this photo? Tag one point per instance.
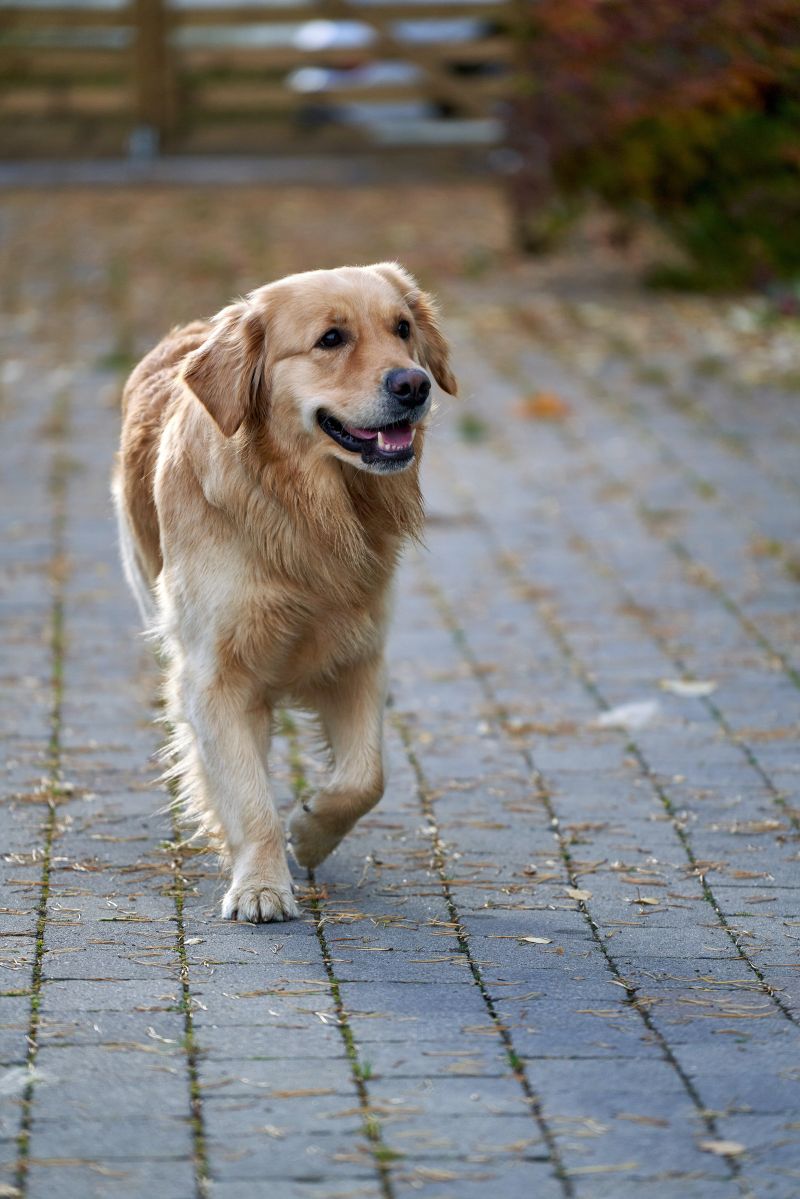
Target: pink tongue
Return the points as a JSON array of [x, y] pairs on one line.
[[397, 439], [361, 434]]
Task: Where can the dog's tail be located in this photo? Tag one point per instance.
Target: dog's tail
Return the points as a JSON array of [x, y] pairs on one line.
[[132, 564]]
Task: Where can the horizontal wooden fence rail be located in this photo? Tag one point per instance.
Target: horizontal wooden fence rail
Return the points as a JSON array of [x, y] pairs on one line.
[[143, 76]]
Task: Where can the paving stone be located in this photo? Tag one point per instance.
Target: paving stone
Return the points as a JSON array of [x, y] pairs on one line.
[[310, 1158], [673, 1184], [159, 1135], [344, 1188], [99, 1178], [515, 1180]]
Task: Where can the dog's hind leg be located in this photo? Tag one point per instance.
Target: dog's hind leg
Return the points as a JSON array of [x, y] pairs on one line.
[[351, 713]]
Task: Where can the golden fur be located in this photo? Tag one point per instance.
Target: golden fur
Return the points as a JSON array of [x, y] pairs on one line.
[[262, 552]]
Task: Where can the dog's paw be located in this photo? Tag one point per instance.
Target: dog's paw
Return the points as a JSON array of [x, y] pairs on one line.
[[309, 840], [258, 902]]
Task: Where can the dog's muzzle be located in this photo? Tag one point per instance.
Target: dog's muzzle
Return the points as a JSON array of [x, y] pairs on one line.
[[389, 445]]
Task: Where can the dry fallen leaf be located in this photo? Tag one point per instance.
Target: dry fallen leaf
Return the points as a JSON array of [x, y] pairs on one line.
[[544, 405], [537, 940], [151, 1032], [722, 1148], [434, 1174], [649, 1121], [303, 1093], [649, 899], [616, 1169], [755, 826], [467, 1066], [577, 893]]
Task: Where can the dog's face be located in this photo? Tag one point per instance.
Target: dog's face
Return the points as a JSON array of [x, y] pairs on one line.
[[335, 363]]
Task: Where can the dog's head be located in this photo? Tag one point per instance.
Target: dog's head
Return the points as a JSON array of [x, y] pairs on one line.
[[337, 361]]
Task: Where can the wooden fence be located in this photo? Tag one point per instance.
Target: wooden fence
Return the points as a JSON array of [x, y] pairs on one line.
[[100, 77]]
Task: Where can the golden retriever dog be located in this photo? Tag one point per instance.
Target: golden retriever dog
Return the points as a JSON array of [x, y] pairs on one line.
[[267, 480]]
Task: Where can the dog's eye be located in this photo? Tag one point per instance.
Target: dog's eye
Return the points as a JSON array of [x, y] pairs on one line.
[[403, 330], [330, 339]]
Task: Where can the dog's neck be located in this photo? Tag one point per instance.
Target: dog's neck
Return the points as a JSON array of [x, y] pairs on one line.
[[334, 510], [386, 505]]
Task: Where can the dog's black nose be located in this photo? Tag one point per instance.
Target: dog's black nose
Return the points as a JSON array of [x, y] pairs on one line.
[[410, 387]]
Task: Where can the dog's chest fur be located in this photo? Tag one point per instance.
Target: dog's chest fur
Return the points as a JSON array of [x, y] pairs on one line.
[[308, 564]]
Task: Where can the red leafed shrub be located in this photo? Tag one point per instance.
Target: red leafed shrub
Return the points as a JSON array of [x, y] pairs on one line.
[[687, 108]]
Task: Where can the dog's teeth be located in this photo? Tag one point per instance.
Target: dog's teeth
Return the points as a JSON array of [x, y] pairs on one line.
[[395, 439]]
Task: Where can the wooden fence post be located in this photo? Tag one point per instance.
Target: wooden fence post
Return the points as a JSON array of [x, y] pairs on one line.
[[153, 82]]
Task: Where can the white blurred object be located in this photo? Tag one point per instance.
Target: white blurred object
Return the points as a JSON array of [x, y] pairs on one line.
[[689, 688], [309, 79], [628, 716], [324, 35], [460, 29]]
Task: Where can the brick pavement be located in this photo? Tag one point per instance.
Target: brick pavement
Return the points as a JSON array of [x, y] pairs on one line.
[[560, 958]]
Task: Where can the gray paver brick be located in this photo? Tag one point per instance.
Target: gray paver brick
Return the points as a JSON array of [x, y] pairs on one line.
[[345, 1188], [172, 1179]]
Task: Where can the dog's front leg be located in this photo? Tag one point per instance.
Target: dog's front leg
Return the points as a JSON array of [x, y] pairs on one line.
[[227, 780], [351, 714]]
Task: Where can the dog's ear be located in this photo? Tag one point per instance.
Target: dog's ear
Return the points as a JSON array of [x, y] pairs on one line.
[[435, 350], [226, 372]]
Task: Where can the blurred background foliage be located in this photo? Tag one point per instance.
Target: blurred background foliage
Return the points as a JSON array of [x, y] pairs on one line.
[[677, 115], [685, 111]]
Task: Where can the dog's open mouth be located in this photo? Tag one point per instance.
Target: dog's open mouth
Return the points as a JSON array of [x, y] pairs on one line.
[[389, 444]]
